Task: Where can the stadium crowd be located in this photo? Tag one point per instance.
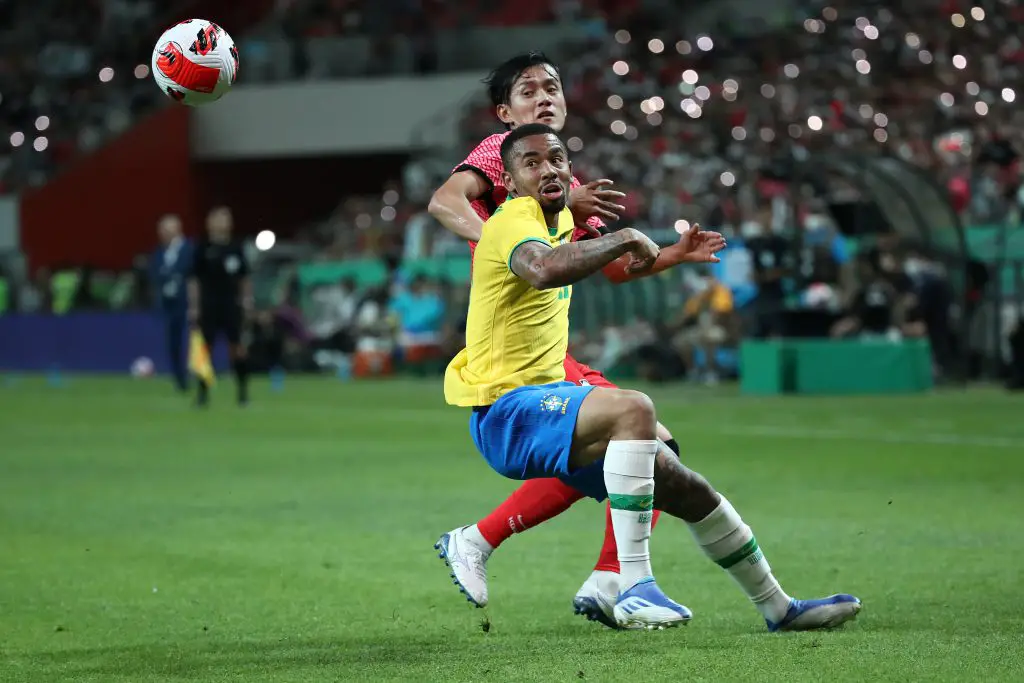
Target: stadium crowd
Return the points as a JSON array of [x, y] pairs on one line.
[[698, 128]]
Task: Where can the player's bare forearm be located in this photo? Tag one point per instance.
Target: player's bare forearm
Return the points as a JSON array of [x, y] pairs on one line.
[[669, 257], [450, 205], [546, 268]]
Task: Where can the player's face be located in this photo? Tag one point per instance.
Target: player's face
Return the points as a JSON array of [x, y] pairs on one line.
[[218, 225], [169, 228], [536, 97], [541, 170]]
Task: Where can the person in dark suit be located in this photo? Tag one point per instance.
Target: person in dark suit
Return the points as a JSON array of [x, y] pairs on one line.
[[170, 266]]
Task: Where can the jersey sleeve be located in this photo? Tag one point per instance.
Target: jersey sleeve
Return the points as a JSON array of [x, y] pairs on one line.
[[513, 229], [485, 160]]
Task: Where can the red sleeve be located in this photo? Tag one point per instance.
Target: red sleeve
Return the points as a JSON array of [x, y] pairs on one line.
[[593, 221], [485, 160]]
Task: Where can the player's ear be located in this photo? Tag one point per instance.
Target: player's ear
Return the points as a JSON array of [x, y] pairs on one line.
[[508, 182], [505, 114], [570, 168]]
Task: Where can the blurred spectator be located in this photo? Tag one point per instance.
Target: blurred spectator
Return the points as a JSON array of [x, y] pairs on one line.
[[169, 267], [884, 305], [771, 255], [708, 323], [421, 313], [334, 313]]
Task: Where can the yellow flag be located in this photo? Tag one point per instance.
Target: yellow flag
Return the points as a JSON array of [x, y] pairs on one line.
[[199, 358]]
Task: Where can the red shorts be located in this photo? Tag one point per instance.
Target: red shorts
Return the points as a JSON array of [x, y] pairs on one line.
[[578, 373]]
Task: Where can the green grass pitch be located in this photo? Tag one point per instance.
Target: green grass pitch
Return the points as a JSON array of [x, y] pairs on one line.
[[142, 541]]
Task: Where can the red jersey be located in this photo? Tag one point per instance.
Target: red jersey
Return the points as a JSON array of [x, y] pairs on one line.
[[485, 161]]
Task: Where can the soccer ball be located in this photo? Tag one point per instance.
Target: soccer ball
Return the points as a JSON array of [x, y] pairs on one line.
[[142, 367], [195, 62]]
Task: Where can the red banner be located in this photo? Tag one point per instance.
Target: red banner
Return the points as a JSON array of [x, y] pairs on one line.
[[102, 211]]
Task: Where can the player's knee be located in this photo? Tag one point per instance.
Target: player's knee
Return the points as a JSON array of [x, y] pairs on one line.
[[635, 416]]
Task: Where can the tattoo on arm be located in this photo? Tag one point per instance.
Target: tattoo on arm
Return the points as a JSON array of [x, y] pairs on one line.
[[545, 268]]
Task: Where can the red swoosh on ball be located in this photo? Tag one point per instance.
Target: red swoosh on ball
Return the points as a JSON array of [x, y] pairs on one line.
[[186, 73]]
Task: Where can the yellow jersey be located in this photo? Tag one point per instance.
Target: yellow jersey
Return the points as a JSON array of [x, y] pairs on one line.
[[515, 335]]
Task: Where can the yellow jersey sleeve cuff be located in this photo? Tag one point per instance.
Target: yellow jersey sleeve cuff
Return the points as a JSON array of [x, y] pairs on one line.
[[512, 251]]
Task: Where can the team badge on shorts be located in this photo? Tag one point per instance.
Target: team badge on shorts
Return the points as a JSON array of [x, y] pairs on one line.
[[554, 404]]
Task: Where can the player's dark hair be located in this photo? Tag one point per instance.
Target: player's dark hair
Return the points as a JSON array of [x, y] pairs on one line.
[[508, 145], [500, 81]]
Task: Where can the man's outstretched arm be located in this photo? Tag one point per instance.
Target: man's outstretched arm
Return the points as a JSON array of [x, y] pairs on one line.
[[695, 246], [545, 268]]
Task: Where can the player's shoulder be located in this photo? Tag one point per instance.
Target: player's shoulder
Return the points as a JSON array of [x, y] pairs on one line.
[[519, 209], [518, 214], [489, 147]]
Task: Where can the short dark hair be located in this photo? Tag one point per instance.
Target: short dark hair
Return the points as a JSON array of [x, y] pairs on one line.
[[500, 81], [512, 139]]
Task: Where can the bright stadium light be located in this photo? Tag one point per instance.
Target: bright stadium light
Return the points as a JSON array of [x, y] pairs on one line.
[[265, 240]]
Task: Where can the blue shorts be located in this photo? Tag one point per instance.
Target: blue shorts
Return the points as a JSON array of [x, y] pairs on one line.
[[527, 434]]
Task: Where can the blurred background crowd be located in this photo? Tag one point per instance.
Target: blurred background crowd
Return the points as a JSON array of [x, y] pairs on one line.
[[716, 113]]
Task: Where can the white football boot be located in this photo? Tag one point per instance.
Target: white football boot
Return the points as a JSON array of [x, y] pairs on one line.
[[468, 564]]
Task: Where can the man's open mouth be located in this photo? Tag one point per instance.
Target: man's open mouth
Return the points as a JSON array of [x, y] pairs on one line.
[[551, 191]]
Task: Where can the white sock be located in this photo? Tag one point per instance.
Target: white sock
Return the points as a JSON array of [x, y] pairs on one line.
[[473, 535], [629, 478], [724, 538]]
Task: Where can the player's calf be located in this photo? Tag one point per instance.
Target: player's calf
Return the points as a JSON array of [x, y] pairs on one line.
[[727, 540], [624, 424]]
